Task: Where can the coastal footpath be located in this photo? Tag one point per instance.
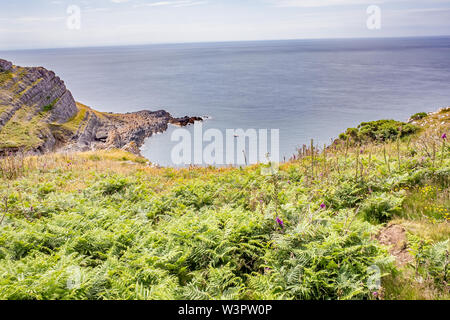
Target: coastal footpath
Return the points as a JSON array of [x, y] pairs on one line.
[[38, 114]]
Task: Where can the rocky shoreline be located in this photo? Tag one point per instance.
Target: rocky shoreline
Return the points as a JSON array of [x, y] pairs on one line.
[[126, 131], [38, 114]]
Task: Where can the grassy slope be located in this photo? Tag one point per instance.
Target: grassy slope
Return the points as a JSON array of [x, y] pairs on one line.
[[23, 130], [26, 129], [104, 225]]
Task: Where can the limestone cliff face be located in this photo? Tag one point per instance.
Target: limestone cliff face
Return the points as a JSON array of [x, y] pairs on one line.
[[38, 114], [37, 88]]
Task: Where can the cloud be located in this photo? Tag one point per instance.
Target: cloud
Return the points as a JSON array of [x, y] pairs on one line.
[[92, 10], [189, 3], [426, 10], [119, 1], [38, 19], [321, 3], [174, 4], [331, 3]]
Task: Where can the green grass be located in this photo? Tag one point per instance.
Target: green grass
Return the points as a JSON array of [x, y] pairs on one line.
[[5, 77], [194, 236], [27, 129], [104, 225], [25, 132], [75, 122], [419, 116], [49, 106], [21, 132], [406, 286]]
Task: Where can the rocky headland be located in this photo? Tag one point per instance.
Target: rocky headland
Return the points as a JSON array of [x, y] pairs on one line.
[[38, 114]]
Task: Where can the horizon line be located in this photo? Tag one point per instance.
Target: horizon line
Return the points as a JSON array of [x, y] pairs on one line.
[[226, 41]]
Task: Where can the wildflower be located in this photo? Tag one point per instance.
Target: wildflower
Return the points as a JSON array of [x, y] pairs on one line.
[[444, 136], [375, 294], [323, 206], [280, 222]]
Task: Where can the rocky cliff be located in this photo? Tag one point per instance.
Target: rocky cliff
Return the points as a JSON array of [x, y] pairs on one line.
[[38, 114]]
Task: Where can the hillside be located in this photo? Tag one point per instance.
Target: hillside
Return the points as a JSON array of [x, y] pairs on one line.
[[105, 225], [38, 114]]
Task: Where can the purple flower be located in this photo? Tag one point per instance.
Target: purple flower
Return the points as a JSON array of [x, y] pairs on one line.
[[280, 222], [375, 294], [444, 136], [323, 206]]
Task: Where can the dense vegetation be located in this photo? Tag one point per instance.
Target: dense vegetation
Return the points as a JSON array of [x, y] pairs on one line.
[[380, 130], [105, 225]]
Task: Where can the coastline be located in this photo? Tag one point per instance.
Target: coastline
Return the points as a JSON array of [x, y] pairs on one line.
[[38, 114]]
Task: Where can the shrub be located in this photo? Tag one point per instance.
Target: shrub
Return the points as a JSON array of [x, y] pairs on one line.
[[111, 185], [418, 116], [381, 130], [380, 208], [46, 188], [50, 106], [431, 260]]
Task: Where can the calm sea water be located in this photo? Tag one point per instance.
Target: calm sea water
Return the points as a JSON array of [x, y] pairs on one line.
[[305, 88]]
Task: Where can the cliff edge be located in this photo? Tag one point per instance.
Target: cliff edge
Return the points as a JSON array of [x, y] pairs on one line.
[[38, 114]]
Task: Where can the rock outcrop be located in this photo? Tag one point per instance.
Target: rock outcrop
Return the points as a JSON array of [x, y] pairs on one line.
[[38, 114], [5, 65], [112, 130], [184, 121]]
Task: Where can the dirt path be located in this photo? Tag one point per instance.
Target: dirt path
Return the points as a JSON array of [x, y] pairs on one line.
[[394, 236]]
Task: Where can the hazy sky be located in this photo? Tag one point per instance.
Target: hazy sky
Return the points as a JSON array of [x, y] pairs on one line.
[[44, 23]]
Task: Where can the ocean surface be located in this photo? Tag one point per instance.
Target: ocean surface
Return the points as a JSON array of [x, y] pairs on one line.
[[305, 88]]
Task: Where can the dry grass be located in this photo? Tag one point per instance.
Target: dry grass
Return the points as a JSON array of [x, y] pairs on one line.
[[425, 229], [406, 286]]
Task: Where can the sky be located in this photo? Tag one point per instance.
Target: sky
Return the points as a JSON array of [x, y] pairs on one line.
[[33, 24]]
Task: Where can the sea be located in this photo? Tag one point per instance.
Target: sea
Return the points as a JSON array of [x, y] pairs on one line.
[[305, 89]]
